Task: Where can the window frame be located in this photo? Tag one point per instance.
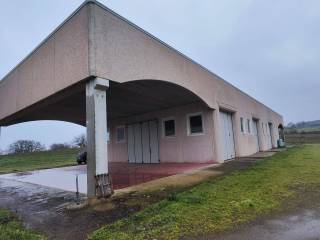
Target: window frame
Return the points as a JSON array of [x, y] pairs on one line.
[[124, 135], [164, 129], [242, 125], [249, 126], [188, 124]]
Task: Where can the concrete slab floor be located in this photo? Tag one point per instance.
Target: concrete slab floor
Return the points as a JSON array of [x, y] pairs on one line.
[[123, 175]]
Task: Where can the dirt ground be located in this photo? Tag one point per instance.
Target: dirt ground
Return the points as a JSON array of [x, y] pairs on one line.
[[44, 209]]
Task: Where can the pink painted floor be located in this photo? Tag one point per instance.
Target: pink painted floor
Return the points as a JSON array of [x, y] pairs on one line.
[[128, 174]]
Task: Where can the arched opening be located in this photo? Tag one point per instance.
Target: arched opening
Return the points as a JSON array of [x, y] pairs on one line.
[[173, 122], [43, 131], [123, 100]]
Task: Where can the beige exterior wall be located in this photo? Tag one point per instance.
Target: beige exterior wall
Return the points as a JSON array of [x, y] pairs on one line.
[[201, 148], [180, 148], [245, 141], [59, 62], [138, 56]]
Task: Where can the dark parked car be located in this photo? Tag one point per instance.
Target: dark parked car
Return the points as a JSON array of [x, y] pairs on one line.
[[82, 158]]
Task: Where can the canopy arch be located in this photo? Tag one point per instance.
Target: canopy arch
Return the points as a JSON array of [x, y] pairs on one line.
[[123, 99]]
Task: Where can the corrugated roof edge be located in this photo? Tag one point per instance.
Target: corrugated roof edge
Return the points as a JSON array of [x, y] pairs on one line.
[[140, 29]]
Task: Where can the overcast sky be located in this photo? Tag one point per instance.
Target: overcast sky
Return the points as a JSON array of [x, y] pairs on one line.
[[268, 49]]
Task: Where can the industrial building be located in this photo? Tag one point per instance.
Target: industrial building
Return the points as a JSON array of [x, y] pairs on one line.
[[101, 71]]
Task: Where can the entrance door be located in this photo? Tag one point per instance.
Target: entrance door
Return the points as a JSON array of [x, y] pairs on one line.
[[255, 134], [227, 136], [143, 142]]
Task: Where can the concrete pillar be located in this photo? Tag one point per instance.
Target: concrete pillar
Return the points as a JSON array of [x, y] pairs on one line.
[[98, 179], [217, 138], [236, 133]]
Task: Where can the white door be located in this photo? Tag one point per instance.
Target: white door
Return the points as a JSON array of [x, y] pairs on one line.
[[143, 143], [137, 142], [154, 142], [131, 156], [255, 134], [227, 136]]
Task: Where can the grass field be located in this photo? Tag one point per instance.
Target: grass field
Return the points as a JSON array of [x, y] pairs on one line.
[[37, 160], [311, 137], [223, 203], [11, 228]]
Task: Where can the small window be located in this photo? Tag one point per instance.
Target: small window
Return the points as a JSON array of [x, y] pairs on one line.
[[108, 134], [241, 125], [249, 125], [121, 134], [169, 128], [262, 128], [195, 124]]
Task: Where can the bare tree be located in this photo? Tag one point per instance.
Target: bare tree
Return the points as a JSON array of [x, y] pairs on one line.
[[80, 141], [26, 146], [59, 146]]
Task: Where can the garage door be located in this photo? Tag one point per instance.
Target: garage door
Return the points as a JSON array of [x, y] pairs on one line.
[[227, 136], [255, 134], [143, 143]]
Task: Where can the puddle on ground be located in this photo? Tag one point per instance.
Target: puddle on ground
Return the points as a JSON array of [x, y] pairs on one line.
[[61, 178]]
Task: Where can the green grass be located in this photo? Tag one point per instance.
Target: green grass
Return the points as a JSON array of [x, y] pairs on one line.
[[37, 160], [11, 228], [223, 203]]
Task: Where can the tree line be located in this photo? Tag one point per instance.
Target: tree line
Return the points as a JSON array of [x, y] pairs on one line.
[[30, 146]]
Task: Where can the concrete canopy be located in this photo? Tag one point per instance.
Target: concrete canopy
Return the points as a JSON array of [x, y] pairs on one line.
[[123, 100], [96, 42]]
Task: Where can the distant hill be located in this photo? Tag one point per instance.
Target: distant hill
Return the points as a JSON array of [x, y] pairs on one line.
[[303, 127]]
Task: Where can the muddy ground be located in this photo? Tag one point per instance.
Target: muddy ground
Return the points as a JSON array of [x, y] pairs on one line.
[[44, 209]]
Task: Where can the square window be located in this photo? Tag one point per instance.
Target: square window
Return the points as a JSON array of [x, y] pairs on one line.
[[169, 127], [121, 134], [195, 124]]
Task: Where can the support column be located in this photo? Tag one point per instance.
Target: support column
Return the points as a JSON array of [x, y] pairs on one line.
[[98, 178], [217, 137]]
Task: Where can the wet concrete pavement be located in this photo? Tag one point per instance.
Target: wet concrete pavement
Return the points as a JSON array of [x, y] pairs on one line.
[[61, 178], [43, 209], [123, 175]]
